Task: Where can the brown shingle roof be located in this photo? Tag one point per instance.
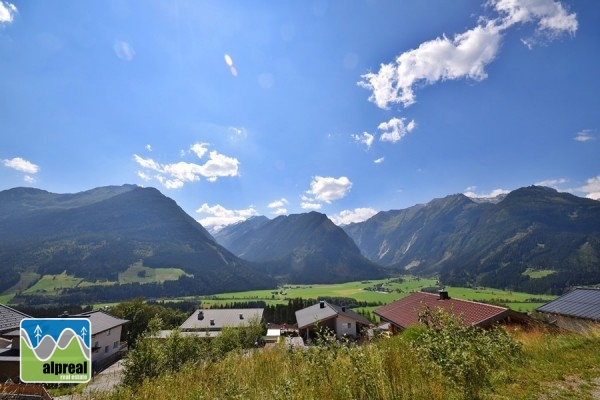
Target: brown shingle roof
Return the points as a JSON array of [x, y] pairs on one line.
[[405, 312]]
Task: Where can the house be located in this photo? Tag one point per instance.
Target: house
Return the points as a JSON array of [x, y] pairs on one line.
[[106, 337], [404, 313], [578, 310], [10, 323], [341, 320], [210, 322]]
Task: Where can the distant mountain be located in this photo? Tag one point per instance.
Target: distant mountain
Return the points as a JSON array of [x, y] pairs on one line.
[[299, 248], [98, 233], [491, 243]]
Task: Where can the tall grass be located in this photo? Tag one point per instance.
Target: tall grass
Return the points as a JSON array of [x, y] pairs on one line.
[[386, 370], [552, 366]]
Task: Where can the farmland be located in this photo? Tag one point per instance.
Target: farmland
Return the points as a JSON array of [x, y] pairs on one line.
[[382, 291]]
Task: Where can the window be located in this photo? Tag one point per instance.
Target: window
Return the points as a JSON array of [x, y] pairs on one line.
[[106, 349], [349, 325], [115, 345], [108, 334]]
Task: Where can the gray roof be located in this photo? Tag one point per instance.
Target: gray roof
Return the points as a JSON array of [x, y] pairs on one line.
[[101, 321], [579, 303], [221, 318], [10, 319], [315, 313]]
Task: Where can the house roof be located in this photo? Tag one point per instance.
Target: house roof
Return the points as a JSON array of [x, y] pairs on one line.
[[579, 303], [405, 312], [315, 313], [101, 321], [221, 318], [10, 319]]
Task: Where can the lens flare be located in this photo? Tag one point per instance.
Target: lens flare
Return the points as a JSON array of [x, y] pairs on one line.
[[123, 50]]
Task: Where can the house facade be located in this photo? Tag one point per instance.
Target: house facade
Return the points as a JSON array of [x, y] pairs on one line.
[[340, 320], [577, 311], [404, 313], [106, 337]]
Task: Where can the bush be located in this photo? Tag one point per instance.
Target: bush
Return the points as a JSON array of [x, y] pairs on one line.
[[466, 356]]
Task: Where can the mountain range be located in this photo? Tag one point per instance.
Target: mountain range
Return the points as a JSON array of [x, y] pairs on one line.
[[99, 233], [534, 239], [500, 243], [299, 248]]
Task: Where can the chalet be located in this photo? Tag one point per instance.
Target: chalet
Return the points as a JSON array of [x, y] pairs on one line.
[[341, 320], [578, 310], [10, 322], [404, 313], [106, 337]]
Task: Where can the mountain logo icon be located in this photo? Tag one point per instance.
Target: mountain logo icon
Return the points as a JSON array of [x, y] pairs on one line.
[[55, 350]]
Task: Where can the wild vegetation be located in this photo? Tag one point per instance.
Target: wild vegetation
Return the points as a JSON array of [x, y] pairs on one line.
[[441, 360]]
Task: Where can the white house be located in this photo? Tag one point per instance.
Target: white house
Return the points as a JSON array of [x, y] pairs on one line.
[[106, 337], [341, 320]]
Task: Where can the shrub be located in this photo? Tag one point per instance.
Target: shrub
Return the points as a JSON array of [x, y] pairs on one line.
[[466, 356]]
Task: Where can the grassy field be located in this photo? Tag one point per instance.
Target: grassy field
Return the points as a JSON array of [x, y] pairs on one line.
[[382, 291], [138, 273], [51, 285], [550, 366]]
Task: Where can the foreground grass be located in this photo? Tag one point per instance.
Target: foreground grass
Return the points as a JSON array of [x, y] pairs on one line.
[[552, 366]]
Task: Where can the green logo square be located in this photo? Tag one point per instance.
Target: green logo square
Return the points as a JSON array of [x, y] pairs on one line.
[[56, 350]]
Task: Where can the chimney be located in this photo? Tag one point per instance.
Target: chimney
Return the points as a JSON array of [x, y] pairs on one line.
[[241, 316], [444, 294], [343, 308], [200, 315], [321, 304]]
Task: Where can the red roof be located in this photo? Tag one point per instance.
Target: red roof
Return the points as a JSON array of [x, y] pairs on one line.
[[405, 312]]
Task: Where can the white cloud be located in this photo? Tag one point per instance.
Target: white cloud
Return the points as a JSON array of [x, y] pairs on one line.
[[199, 149], [7, 12], [466, 54], [366, 138], [352, 216], [29, 179], [395, 129], [21, 165], [592, 188], [552, 18], [221, 216], [175, 175], [305, 205], [309, 203], [149, 147], [328, 189], [492, 194], [584, 136], [279, 206], [553, 183], [379, 160]]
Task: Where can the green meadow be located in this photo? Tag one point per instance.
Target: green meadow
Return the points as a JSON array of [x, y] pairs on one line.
[[51, 285], [382, 291]]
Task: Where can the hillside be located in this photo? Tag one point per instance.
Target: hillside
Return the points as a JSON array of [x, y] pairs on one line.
[[299, 248], [97, 234], [498, 244]]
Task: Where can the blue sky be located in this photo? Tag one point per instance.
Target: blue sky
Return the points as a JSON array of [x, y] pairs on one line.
[[241, 108]]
